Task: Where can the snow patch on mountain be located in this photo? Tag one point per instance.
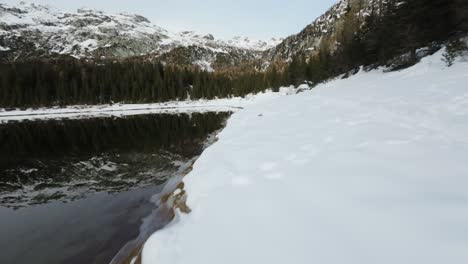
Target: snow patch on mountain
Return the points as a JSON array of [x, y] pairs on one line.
[[204, 65], [4, 48], [252, 44]]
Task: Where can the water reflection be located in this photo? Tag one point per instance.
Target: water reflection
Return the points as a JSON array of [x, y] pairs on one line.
[[66, 160]]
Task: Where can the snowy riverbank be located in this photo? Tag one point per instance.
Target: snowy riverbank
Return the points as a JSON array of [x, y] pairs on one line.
[[370, 169]]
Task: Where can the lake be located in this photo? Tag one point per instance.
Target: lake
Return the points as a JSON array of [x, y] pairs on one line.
[[83, 190]]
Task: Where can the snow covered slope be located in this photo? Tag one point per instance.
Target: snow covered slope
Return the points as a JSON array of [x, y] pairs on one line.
[[370, 169], [29, 30]]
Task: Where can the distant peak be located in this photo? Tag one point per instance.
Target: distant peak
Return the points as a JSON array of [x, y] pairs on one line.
[[136, 18], [87, 10], [209, 37]]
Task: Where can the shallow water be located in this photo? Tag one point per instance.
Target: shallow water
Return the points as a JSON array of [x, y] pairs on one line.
[[77, 191]]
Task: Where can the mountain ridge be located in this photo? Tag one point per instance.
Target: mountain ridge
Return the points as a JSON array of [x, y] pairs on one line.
[[32, 30], [325, 29]]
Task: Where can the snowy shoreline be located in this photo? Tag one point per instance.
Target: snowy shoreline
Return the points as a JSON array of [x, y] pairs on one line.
[[362, 170], [176, 107]]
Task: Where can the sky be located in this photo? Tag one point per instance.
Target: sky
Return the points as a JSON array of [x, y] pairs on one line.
[[259, 19]]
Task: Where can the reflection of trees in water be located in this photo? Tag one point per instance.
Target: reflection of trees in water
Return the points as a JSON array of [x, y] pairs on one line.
[[141, 133], [66, 159]]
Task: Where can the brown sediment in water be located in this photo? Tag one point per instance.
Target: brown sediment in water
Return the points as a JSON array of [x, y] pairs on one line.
[[177, 199], [134, 257]]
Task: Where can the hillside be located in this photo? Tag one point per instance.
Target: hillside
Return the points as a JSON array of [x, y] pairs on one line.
[[360, 170], [325, 30]]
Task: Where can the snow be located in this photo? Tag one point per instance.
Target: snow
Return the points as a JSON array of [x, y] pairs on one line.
[[28, 171], [369, 169], [188, 106], [89, 44], [204, 65], [254, 44]]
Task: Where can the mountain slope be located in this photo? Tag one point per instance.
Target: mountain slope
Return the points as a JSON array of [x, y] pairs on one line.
[[325, 30], [30, 30]]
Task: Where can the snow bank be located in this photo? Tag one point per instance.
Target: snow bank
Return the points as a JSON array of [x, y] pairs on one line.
[[370, 169], [175, 107]]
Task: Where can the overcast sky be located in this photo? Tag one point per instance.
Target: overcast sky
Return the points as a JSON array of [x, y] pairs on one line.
[[259, 19]]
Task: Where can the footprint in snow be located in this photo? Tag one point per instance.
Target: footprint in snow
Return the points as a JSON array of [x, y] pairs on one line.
[[273, 176], [240, 181], [310, 150], [268, 166], [291, 157]]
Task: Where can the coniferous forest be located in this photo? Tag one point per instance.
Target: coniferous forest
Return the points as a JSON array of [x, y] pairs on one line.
[[391, 36]]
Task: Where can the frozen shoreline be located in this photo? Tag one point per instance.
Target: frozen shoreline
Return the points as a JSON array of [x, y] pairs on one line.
[[362, 170], [175, 107]]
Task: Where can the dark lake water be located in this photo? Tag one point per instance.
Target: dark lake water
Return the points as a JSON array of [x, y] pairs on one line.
[[79, 190]]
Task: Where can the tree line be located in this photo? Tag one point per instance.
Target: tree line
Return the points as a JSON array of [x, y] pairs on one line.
[[39, 82]]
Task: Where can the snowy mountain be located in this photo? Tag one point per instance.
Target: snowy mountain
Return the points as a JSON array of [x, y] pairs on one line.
[[325, 30], [31, 30]]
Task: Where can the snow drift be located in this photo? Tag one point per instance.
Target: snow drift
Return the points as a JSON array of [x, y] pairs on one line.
[[370, 169]]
